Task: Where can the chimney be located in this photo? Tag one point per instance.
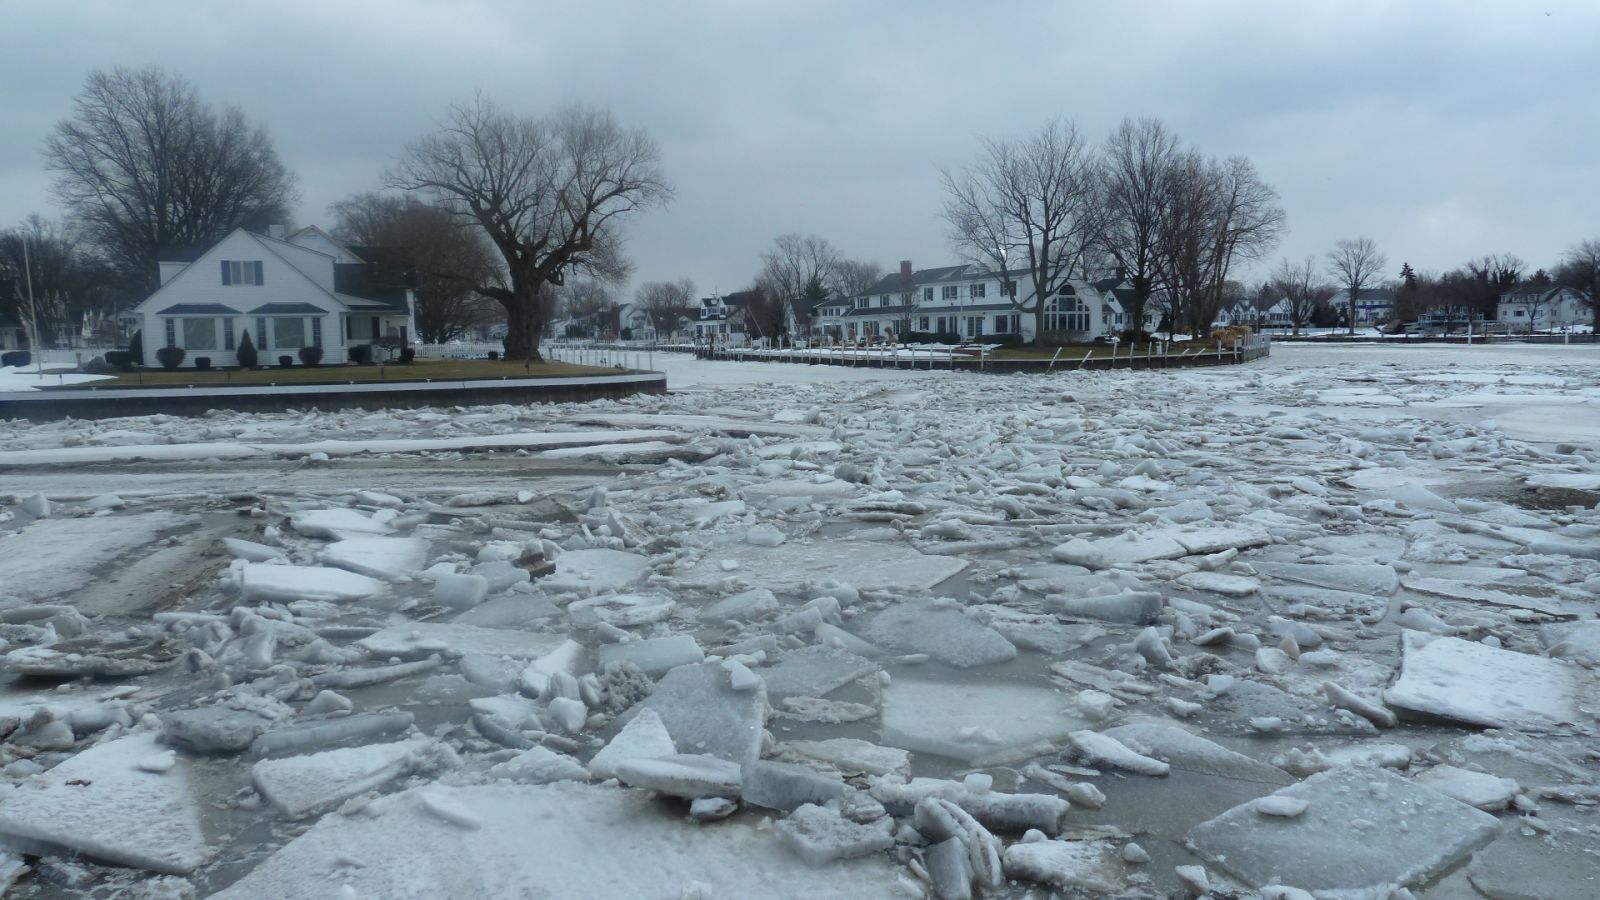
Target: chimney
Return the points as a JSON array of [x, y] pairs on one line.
[[905, 271], [276, 231]]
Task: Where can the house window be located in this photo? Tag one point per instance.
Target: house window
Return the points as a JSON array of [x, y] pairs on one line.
[[227, 334], [974, 326], [172, 332], [1066, 314], [261, 332], [200, 334], [978, 290], [288, 333], [951, 292], [883, 300], [861, 302], [922, 323], [927, 295], [1004, 325], [242, 271], [1009, 289], [316, 331]]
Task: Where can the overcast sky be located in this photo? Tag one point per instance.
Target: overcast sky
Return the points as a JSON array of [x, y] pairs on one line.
[[1443, 130]]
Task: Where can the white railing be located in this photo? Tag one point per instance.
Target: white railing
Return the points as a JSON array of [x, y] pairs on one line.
[[1253, 346]]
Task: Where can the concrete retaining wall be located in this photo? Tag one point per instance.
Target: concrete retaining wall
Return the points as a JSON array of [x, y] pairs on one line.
[[105, 403]]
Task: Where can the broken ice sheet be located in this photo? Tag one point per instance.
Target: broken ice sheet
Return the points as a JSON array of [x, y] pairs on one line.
[[972, 720], [1482, 685], [101, 804], [1362, 830], [302, 785], [790, 567], [813, 671], [592, 572], [940, 629], [401, 849]]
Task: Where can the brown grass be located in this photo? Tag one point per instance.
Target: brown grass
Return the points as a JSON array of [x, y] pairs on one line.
[[421, 370]]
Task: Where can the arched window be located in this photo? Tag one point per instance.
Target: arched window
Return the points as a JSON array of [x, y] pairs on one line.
[[1067, 313]]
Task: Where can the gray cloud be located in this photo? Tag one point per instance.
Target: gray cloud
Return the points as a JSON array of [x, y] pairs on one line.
[[1443, 130]]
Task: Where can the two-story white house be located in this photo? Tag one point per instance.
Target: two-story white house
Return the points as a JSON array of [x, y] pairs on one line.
[[1541, 307], [305, 290]]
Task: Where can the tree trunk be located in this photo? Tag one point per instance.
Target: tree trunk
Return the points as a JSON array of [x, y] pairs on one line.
[[524, 323]]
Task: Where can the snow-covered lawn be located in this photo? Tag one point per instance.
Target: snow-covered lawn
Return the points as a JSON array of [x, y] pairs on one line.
[[815, 631], [29, 378]]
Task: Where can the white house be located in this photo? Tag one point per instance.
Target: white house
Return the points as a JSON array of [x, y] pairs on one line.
[[308, 290], [1534, 307], [13, 335], [722, 320]]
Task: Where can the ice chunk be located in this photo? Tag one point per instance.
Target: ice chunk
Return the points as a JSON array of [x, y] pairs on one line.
[[687, 775], [939, 629], [1131, 607], [101, 804], [813, 671], [1483, 685], [970, 721], [1363, 829], [36, 505], [1103, 750], [459, 591], [307, 736], [418, 640], [644, 737], [854, 757], [539, 765], [820, 836], [655, 655], [333, 524], [1486, 792], [1125, 549], [1463, 590], [595, 572], [704, 714], [786, 787], [301, 786], [266, 583], [388, 558], [1066, 865], [1356, 578], [408, 852], [743, 606], [213, 729], [621, 610], [1218, 583], [868, 565], [1192, 753], [250, 551]]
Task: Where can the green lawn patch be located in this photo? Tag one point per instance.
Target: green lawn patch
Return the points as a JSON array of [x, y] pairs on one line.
[[420, 370]]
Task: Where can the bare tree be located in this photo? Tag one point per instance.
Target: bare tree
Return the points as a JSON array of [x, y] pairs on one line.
[[1356, 263], [405, 240], [795, 270], [666, 303], [551, 194], [144, 167], [1580, 269], [582, 300], [854, 277], [1029, 205], [71, 285], [1296, 283], [1139, 159]]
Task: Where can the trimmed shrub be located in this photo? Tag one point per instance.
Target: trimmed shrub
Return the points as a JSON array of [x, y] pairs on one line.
[[136, 348], [1134, 335], [494, 354], [202, 363], [311, 355], [119, 359], [932, 337], [360, 354], [286, 362], [407, 354], [18, 358], [248, 357], [171, 357], [627, 334], [99, 366], [1004, 340]]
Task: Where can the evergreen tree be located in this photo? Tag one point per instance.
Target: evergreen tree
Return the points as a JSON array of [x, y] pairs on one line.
[[247, 351]]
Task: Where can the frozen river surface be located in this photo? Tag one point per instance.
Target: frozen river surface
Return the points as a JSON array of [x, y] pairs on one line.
[[1319, 626]]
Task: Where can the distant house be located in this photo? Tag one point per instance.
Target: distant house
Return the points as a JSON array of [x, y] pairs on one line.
[[306, 290], [1536, 307], [1374, 306], [723, 320], [13, 335]]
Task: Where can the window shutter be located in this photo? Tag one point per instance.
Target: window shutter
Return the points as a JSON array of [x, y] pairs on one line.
[[225, 273]]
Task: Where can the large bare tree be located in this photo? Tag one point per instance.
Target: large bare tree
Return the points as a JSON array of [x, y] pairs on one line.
[[854, 277], [795, 273], [1215, 215], [667, 303], [1140, 156], [1356, 263], [70, 284], [551, 194], [144, 167], [423, 243], [1027, 206], [1580, 269], [1296, 283]]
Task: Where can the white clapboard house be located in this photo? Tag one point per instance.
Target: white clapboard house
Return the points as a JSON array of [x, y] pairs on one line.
[[307, 289]]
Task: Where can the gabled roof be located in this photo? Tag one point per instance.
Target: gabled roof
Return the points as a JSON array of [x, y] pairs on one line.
[[287, 309], [315, 230]]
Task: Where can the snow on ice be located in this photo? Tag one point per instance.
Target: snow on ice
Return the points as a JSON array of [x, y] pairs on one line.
[[821, 632]]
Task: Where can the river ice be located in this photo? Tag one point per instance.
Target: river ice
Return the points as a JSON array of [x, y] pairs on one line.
[[1321, 625]]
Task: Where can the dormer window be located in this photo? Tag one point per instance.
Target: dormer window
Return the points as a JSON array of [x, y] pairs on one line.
[[242, 271]]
